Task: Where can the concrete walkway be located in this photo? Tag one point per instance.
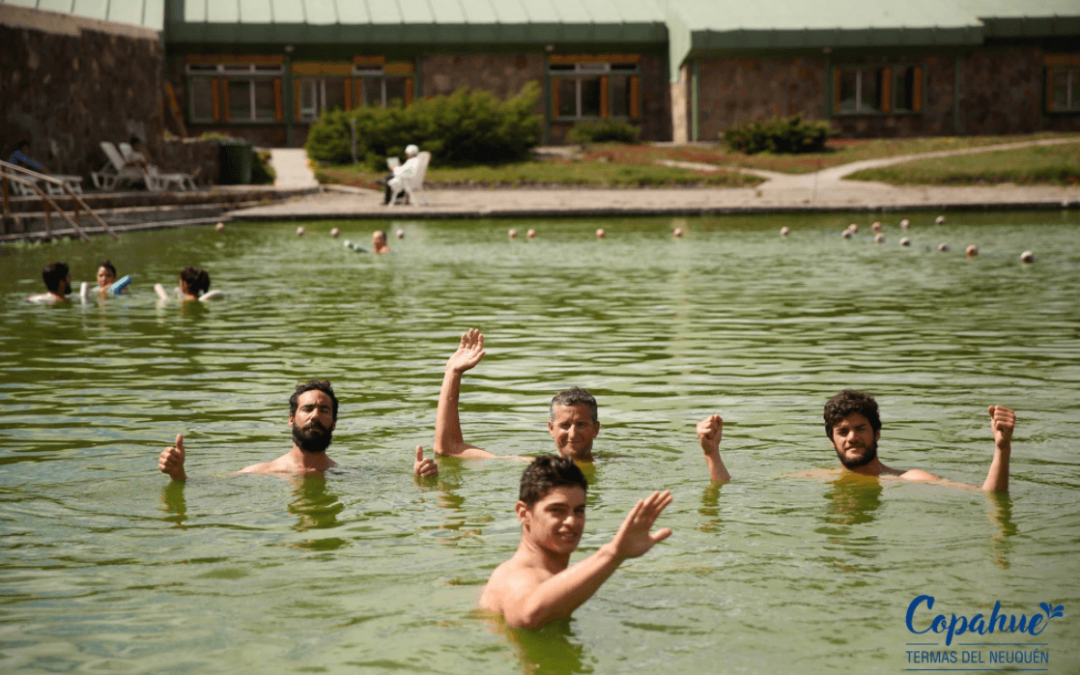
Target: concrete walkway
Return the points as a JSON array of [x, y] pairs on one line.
[[820, 191], [290, 165]]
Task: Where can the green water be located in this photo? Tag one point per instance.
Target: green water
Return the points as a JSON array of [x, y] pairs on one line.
[[105, 567]]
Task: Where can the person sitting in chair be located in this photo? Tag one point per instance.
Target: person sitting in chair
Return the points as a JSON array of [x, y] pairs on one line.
[[20, 158], [406, 169]]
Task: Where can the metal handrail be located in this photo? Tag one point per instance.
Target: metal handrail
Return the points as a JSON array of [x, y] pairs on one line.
[[56, 181]]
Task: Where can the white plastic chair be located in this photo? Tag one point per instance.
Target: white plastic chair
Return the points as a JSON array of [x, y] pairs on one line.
[[156, 181], [411, 182], [115, 172]]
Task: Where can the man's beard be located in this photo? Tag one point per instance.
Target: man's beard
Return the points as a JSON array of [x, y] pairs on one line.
[[314, 438], [864, 459]]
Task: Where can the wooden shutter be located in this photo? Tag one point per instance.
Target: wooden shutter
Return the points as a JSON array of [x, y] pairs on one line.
[[296, 99], [886, 90], [408, 90], [555, 98], [837, 74], [215, 99], [348, 84], [279, 107], [225, 115], [917, 89], [605, 103], [635, 106]]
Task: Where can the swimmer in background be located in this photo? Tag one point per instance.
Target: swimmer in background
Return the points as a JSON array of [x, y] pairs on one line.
[[573, 421], [106, 277], [313, 412], [853, 426], [378, 242], [537, 585], [57, 278], [194, 285]]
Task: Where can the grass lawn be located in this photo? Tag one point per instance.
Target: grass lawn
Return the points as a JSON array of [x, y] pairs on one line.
[[1054, 165], [631, 166]]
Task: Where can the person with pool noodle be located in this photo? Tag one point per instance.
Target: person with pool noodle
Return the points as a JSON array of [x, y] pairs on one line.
[[537, 585], [853, 426], [313, 410], [573, 422]]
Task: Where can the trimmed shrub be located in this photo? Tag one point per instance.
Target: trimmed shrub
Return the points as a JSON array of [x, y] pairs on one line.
[[787, 135], [467, 127], [262, 173], [603, 131]]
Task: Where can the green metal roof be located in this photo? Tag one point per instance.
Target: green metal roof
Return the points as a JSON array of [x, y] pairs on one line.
[[145, 13], [1026, 18], [444, 22]]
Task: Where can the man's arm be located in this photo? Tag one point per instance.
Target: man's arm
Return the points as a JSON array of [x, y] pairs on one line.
[[171, 460], [448, 439], [1002, 423], [531, 605], [709, 432]]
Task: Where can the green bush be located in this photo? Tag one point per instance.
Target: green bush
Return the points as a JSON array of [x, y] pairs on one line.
[[779, 134], [467, 127], [603, 131], [261, 171]]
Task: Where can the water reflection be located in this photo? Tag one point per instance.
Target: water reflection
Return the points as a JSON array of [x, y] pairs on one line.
[[316, 508], [1000, 514], [855, 499], [710, 509], [549, 651], [174, 503]]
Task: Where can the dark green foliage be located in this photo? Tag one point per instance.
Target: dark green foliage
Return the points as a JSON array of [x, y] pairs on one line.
[[786, 135], [261, 171], [467, 127], [603, 131]]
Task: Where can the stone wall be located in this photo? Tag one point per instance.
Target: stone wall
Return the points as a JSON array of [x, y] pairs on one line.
[[68, 83], [189, 155], [1001, 90], [734, 90], [502, 74]]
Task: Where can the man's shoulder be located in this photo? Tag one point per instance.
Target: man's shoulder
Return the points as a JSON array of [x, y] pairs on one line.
[[918, 475], [510, 579]]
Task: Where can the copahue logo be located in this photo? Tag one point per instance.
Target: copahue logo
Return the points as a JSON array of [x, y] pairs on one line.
[[996, 622]]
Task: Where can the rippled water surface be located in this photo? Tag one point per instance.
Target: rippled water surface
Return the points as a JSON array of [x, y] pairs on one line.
[[106, 567]]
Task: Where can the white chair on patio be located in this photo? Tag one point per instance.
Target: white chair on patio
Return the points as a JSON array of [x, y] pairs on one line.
[[411, 182], [116, 172], [156, 180]]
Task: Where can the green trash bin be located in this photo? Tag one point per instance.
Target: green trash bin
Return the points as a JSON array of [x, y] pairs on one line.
[[235, 159]]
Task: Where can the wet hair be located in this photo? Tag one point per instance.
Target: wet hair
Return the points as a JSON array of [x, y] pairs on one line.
[[847, 402], [109, 266], [312, 385], [197, 280], [380, 234], [574, 396], [547, 472], [54, 275]]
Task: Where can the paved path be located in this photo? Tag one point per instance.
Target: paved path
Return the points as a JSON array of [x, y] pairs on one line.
[[290, 165], [820, 191]]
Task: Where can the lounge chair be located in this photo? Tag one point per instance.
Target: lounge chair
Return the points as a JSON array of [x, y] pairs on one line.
[[156, 180], [411, 182], [116, 171]]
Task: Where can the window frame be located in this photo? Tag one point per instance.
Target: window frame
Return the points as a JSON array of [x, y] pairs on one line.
[[221, 75], [588, 68], [887, 94], [1072, 89]]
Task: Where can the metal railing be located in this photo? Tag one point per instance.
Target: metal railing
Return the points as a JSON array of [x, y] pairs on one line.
[[12, 173]]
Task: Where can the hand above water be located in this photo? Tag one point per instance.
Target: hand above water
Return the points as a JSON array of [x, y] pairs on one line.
[[425, 468], [709, 431], [633, 538], [1002, 423], [468, 354], [171, 460]]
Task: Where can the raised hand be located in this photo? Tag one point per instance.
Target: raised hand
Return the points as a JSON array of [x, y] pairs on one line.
[[709, 432], [469, 353], [1002, 423], [171, 460], [633, 538], [425, 468]]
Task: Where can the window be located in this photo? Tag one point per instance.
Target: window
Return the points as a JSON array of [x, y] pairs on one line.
[[380, 84], [235, 89], [1063, 89], [591, 86], [319, 94], [890, 89]]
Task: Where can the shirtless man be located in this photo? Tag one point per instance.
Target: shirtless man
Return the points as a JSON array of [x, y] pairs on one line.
[[853, 426], [537, 586], [572, 422], [378, 242], [57, 279], [313, 416]]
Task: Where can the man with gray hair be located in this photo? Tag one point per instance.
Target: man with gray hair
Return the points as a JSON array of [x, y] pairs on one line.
[[572, 422], [407, 169]]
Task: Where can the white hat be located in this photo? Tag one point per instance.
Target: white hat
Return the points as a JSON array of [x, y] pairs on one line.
[[411, 150]]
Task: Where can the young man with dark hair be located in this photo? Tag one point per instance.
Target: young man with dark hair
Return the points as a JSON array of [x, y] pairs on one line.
[[313, 411], [57, 278], [853, 426], [573, 422], [21, 158], [537, 585]]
